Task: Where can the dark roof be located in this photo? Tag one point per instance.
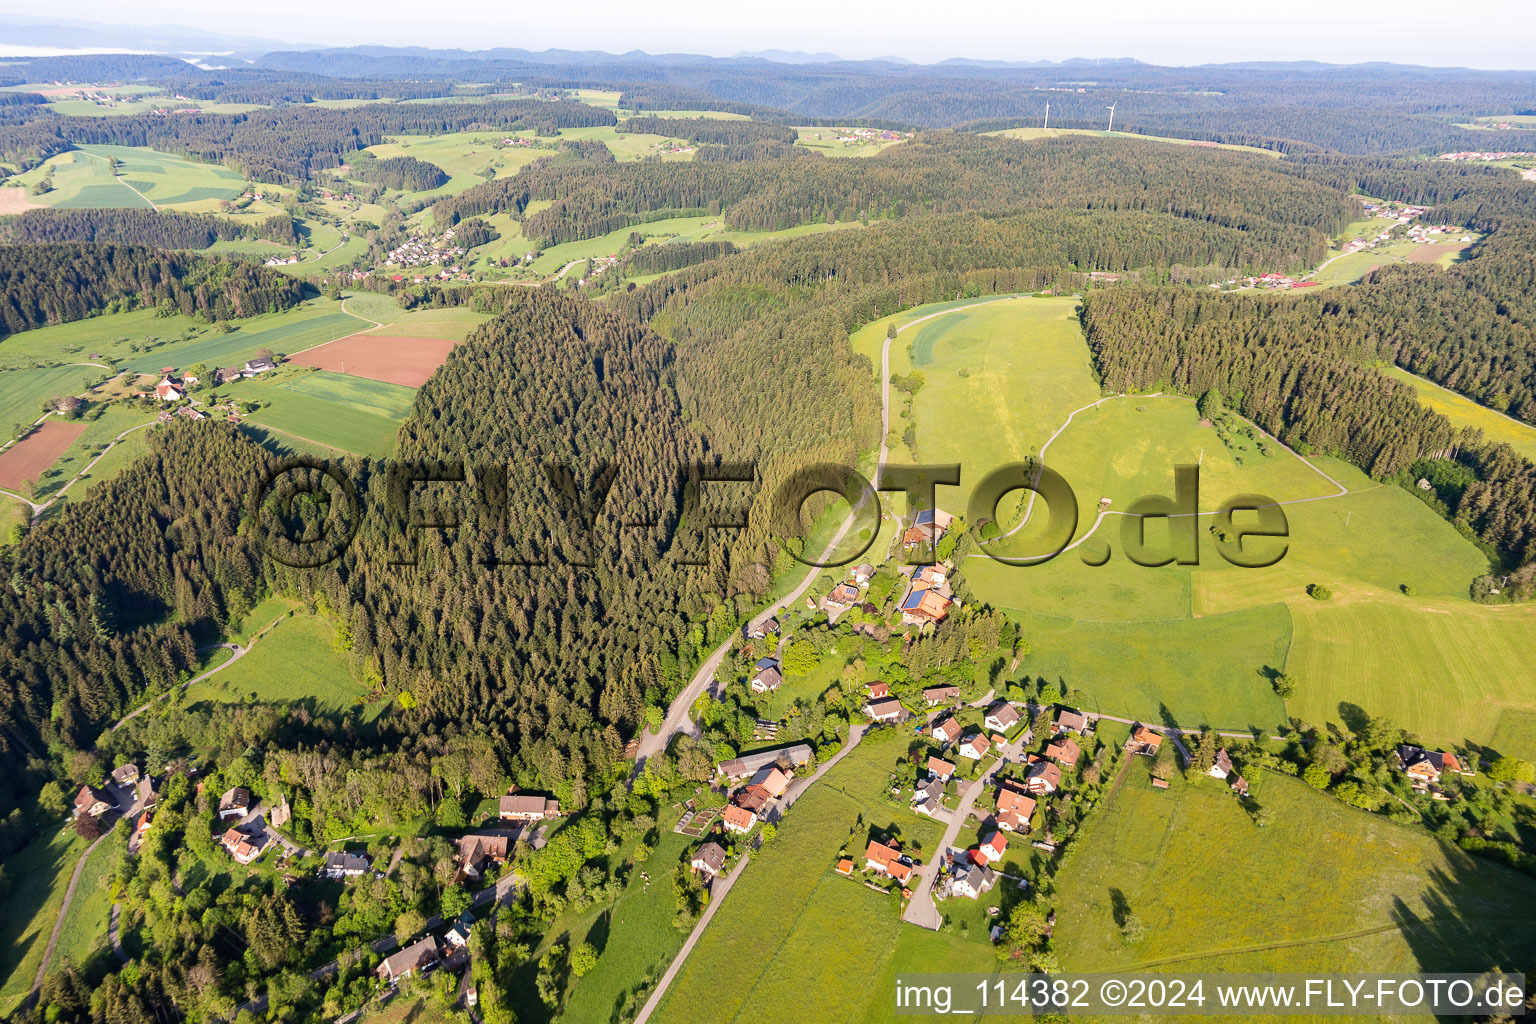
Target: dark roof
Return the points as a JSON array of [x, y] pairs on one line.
[[346, 862], [924, 517], [712, 856], [912, 600]]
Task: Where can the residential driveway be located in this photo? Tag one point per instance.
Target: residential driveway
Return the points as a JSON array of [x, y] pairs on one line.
[[921, 909]]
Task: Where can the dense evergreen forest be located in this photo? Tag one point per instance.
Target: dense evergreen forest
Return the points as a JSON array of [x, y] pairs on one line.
[[161, 229], [56, 283], [405, 173], [285, 145]]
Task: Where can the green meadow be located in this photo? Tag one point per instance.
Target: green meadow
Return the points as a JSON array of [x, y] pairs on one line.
[[352, 414], [1053, 133], [1195, 644], [792, 932], [39, 874], [1464, 412], [295, 661], [23, 392], [83, 931], [828, 142], [83, 177], [1217, 893]]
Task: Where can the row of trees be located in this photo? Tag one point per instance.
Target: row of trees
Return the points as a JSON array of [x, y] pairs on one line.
[[162, 229]]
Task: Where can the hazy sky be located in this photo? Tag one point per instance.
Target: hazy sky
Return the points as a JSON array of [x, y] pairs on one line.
[[1471, 33]]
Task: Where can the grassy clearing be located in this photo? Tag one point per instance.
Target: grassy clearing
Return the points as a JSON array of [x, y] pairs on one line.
[[829, 142], [85, 178], [23, 392], [1390, 899], [1464, 412], [1053, 133], [295, 661], [1352, 267], [39, 874], [634, 939], [807, 929], [1515, 735], [84, 929]]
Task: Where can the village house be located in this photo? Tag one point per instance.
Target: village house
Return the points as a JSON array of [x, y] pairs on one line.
[[527, 808], [972, 880], [921, 607], [1042, 777], [169, 391], [928, 798], [418, 956], [243, 848], [994, 847], [738, 819], [877, 690], [1424, 767], [748, 765], [235, 803], [862, 574], [344, 865], [751, 798], [708, 859], [141, 826], [975, 747], [225, 374], [1221, 767], [940, 769], [1002, 716], [125, 774], [888, 861], [934, 695], [91, 802], [767, 678], [1064, 751], [929, 525], [1144, 741], [843, 595], [458, 935], [887, 710], [1014, 808], [479, 849], [946, 731], [260, 364], [1068, 720]]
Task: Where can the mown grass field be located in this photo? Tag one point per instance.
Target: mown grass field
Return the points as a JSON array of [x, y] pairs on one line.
[[1464, 412], [295, 661], [340, 411], [83, 178], [23, 392], [39, 874], [1323, 887], [792, 933], [828, 142]]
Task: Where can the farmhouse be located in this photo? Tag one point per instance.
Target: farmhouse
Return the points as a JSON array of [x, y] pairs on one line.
[[921, 607], [888, 710], [927, 528], [1068, 720], [708, 859], [738, 819], [235, 803], [418, 956], [751, 798], [91, 802], [773, 781], [1042, 777], [1002, 716], [747, 765], [862, 574], [169, 391], [1424, 767], [940, 695], [1144, 741], [225, 374], [879, 857], [975, 747], [1064, 751], [527, 808], [940, 769], [1221, 767], [261, 364], [946, 731], [344, 865], [767, 678], [477, 849]]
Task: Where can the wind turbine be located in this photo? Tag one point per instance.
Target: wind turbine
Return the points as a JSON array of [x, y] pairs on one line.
[[1047, 114], [1112, 107]]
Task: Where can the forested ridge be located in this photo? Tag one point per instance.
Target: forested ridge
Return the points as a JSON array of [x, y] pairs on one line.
[[285, 145], [59, 282], [405, 173], [1288, 218], [162, 229]]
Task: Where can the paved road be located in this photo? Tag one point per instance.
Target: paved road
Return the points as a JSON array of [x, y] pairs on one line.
[[921, 909], [717, 893], [114, 934], [239, 652], [38, 508]]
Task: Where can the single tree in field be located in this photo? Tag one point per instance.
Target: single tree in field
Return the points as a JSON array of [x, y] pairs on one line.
[[1209, 405]]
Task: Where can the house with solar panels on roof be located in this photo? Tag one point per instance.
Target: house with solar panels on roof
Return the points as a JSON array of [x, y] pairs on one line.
[[929, 525]]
